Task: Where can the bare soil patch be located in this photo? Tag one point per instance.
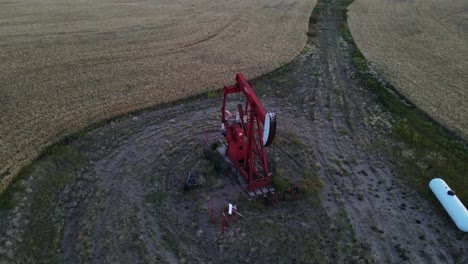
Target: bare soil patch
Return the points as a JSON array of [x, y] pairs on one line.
[[116, 194], [67, 64], [419, 47]]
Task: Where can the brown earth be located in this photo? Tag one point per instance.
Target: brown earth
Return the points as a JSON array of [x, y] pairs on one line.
[[421, 48], [119, 197], [65, 65]]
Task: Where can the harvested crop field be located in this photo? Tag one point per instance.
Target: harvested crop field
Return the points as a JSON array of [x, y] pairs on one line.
[[421, 48], [67, 64]]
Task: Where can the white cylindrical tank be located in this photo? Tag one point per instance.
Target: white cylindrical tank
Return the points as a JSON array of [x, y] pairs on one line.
[[451, 203]]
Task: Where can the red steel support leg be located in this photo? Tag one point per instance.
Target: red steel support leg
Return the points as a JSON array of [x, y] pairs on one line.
[[212, 211], [223, 224]]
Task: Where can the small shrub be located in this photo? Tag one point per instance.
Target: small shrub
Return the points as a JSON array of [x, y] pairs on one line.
[[280, 184], [311, 182], [156, 197]]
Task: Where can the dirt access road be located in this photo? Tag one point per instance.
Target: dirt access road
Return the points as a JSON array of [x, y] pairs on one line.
[[122, 199]]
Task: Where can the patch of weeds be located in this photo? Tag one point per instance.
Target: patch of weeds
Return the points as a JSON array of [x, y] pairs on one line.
[[311, 182], [213, 94], [314, 16], [293, 139], [281, 77], [45, 240], [156, 197], [437, 157], [401, 252], [338, 92], [62, 155], [307, 245], [311, 34], [7, 197], [360, 62], [345, 246], [345, 132], [358, 59], [280, 183], [212, 164], [261, 88], [345, 171], [72, 137], [171, 243], [46, 231], [340, 168], [256, 205], [459, 258], [346, 33], [360, 196]]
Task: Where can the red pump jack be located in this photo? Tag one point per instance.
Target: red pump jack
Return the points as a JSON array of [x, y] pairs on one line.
[[252, 131]]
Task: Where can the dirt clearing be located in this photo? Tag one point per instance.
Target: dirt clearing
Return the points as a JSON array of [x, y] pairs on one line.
[[67, 64], [421, 48], [115, 193]]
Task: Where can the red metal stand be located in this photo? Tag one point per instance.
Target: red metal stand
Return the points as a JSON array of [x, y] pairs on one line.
[[212, 211], [228, 219]]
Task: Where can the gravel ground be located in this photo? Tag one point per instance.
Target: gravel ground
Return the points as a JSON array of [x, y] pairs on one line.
[[65, 65], [421, 48]]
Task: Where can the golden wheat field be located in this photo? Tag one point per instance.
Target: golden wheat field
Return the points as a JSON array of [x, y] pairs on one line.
[[67, 64], [421, 47]]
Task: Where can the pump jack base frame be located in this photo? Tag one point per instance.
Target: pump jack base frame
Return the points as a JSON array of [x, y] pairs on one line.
[[262, 191]]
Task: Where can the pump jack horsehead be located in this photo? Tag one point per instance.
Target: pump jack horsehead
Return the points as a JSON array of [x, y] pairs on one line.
[[247, 137]]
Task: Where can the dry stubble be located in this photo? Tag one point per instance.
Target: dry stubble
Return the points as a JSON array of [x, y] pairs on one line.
[[421, 48]]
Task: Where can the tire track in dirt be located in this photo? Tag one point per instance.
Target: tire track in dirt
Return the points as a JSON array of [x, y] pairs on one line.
[[335, 83], [119, 208]]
